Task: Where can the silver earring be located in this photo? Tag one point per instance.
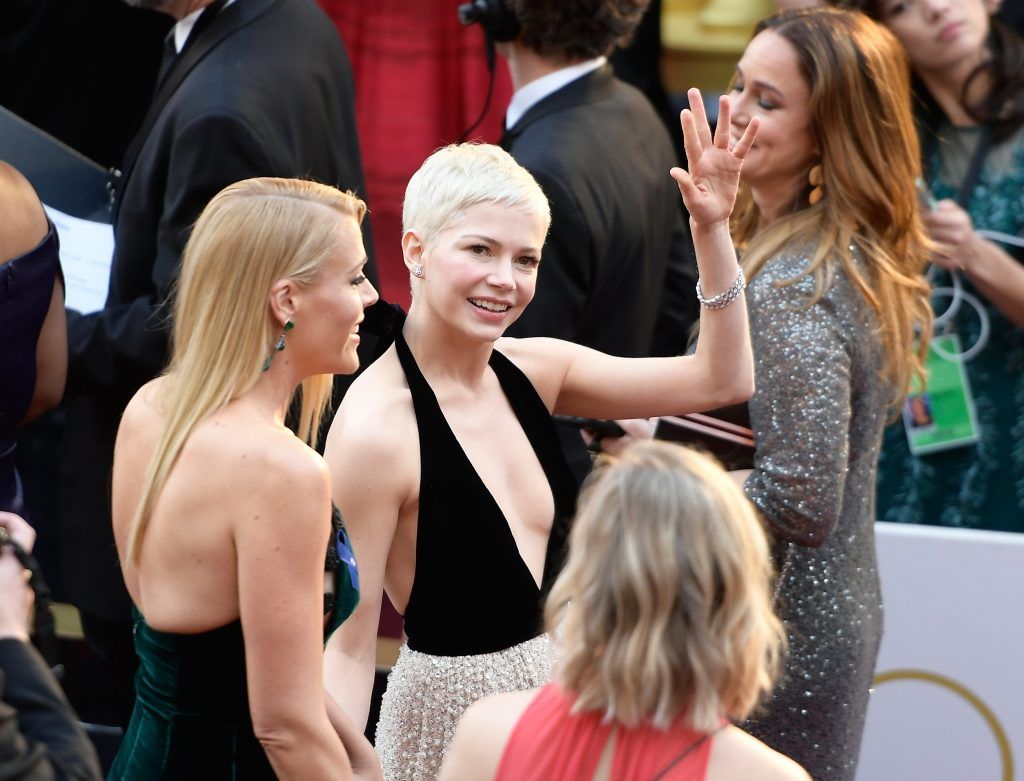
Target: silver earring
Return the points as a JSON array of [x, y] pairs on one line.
[[417, 271]]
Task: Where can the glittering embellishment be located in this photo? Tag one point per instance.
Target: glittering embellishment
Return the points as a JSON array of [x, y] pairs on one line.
[[427, 694], [817, 415]]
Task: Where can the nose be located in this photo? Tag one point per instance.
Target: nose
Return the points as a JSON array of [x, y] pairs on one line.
[[739, 103], [933, 9], [368, 294], [501, 275]]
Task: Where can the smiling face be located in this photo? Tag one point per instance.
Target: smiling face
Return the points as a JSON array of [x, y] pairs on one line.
[[770, 85], [329, 309], [938, 34], [480, 272]]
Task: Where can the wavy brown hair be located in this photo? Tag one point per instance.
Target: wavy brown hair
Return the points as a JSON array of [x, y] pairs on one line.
[[663, 608], [251, 234], [859, 81]]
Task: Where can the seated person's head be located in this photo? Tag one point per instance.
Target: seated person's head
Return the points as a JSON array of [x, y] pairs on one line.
[[664, 607], [575, 31]]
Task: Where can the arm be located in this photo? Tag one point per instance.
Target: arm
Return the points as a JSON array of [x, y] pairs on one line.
[[280, 549], [994, 273], [359, 454], [577, 381], [129, 339], [800, 413], [51, 357], [365, 764]]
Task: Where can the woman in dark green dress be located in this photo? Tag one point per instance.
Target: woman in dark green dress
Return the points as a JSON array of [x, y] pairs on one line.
[[222, 515], [969, 83]]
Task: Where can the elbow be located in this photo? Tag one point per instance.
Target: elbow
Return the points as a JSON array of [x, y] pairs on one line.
[[736, 388], [47, 396], [278, 733]]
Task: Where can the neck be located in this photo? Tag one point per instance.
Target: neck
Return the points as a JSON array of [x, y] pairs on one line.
[[179, 9], [776, 198], [273, 391], [525, 65], [443, 352], [946, 86]]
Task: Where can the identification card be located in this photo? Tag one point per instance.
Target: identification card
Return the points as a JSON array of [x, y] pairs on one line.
[[941, 416]]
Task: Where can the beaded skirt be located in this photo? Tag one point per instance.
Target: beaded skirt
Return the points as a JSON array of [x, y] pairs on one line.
[[426, 695]]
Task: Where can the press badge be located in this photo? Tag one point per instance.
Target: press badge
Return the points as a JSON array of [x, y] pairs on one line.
[[942, 416]]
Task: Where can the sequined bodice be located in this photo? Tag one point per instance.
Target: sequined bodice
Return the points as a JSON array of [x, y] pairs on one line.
[[472, 592]]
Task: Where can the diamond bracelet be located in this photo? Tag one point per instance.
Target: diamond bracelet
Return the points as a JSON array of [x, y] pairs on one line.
[[725, 298]]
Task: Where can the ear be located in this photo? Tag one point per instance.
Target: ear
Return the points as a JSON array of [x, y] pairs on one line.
[[281, 300], [413, 249]]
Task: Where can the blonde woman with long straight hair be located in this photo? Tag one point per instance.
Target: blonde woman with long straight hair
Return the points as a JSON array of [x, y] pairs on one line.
[[664, 621], [222, 516], [828, 225]]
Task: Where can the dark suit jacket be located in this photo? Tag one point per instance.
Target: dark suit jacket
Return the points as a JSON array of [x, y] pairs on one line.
[[617, 235], [264, 90], [40, 737]]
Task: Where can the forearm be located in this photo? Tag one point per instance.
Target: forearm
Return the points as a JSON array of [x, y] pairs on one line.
[[304, 748], [348, 680], [724, 342], [999, 278], [360, 752]]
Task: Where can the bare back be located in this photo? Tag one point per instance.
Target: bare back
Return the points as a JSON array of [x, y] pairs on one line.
[[187, 579]]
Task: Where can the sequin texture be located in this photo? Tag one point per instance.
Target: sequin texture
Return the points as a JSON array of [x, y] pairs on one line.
[[426, 695], [818, 415]]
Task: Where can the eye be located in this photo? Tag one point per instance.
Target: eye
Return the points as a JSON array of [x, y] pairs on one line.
[[479, 249], [359, 280], [528, 261], [766, 104]]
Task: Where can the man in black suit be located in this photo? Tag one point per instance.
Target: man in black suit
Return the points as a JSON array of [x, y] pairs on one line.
[[602, 155], [250, 88], [617, 271]]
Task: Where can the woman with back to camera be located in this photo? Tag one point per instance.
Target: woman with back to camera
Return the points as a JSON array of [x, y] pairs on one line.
[[831, 238], [664, 621], [969, 95], [466, 529], [222, 516]]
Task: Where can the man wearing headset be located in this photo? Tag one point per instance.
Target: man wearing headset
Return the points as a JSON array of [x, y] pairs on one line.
[[618, 269]]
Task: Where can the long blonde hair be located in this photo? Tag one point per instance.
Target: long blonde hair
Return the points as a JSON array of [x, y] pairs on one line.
[[860, 106], [250, 235], [663, 608]]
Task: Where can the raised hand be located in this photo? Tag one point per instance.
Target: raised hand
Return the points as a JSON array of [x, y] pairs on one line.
[[709, 188]]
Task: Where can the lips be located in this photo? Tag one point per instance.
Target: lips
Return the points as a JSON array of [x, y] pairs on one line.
[[489, 305], [949, 32]]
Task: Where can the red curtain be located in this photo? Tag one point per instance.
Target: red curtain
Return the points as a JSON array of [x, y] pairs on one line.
[[421, 80]]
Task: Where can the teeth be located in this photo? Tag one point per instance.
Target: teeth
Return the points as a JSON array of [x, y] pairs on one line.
[[490, 306]]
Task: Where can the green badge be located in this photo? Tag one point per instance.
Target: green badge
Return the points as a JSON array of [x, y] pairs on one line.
[[941, 416]]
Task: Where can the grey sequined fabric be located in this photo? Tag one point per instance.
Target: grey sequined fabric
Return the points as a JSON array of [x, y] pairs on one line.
[[818, 415], [426, 695]]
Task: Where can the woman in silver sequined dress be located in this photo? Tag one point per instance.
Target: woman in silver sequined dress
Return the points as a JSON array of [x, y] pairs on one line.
[[831, 239], [445, 461]]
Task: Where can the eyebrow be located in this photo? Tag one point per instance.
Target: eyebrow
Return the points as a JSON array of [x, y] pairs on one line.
[[761, 85], [489, 240]]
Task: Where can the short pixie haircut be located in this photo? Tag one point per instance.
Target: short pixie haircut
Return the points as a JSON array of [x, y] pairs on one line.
[[460, 176], [664, 606]]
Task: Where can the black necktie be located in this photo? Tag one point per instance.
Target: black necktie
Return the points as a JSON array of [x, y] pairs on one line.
[[169, 56]]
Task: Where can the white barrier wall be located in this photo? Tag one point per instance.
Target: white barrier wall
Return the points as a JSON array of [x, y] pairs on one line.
[[948, 704]]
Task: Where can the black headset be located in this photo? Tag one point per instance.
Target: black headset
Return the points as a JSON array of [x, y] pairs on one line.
[[494, 16]]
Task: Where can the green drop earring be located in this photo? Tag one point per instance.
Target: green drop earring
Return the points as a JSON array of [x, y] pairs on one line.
[[279, 345]]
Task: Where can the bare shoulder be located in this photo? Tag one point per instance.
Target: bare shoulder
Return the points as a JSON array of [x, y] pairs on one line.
[[24, 223], [736, 754], [542, 359], [482, 733], [376, 417]]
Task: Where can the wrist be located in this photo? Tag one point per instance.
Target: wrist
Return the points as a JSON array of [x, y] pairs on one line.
[[10, 632], [710, 228]]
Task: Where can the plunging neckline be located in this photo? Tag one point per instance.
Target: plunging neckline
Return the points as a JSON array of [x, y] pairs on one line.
[[506, 527]]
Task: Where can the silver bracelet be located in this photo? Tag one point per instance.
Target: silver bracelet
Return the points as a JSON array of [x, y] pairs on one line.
[[725, 298]]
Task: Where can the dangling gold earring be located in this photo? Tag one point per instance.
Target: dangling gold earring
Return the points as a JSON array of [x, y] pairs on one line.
[[817, 182]]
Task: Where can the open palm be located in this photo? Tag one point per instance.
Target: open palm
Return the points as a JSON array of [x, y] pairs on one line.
[[709, 187]]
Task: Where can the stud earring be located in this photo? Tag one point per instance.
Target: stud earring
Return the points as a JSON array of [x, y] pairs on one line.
[[417, 271], [279, 345], [817, 181]]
